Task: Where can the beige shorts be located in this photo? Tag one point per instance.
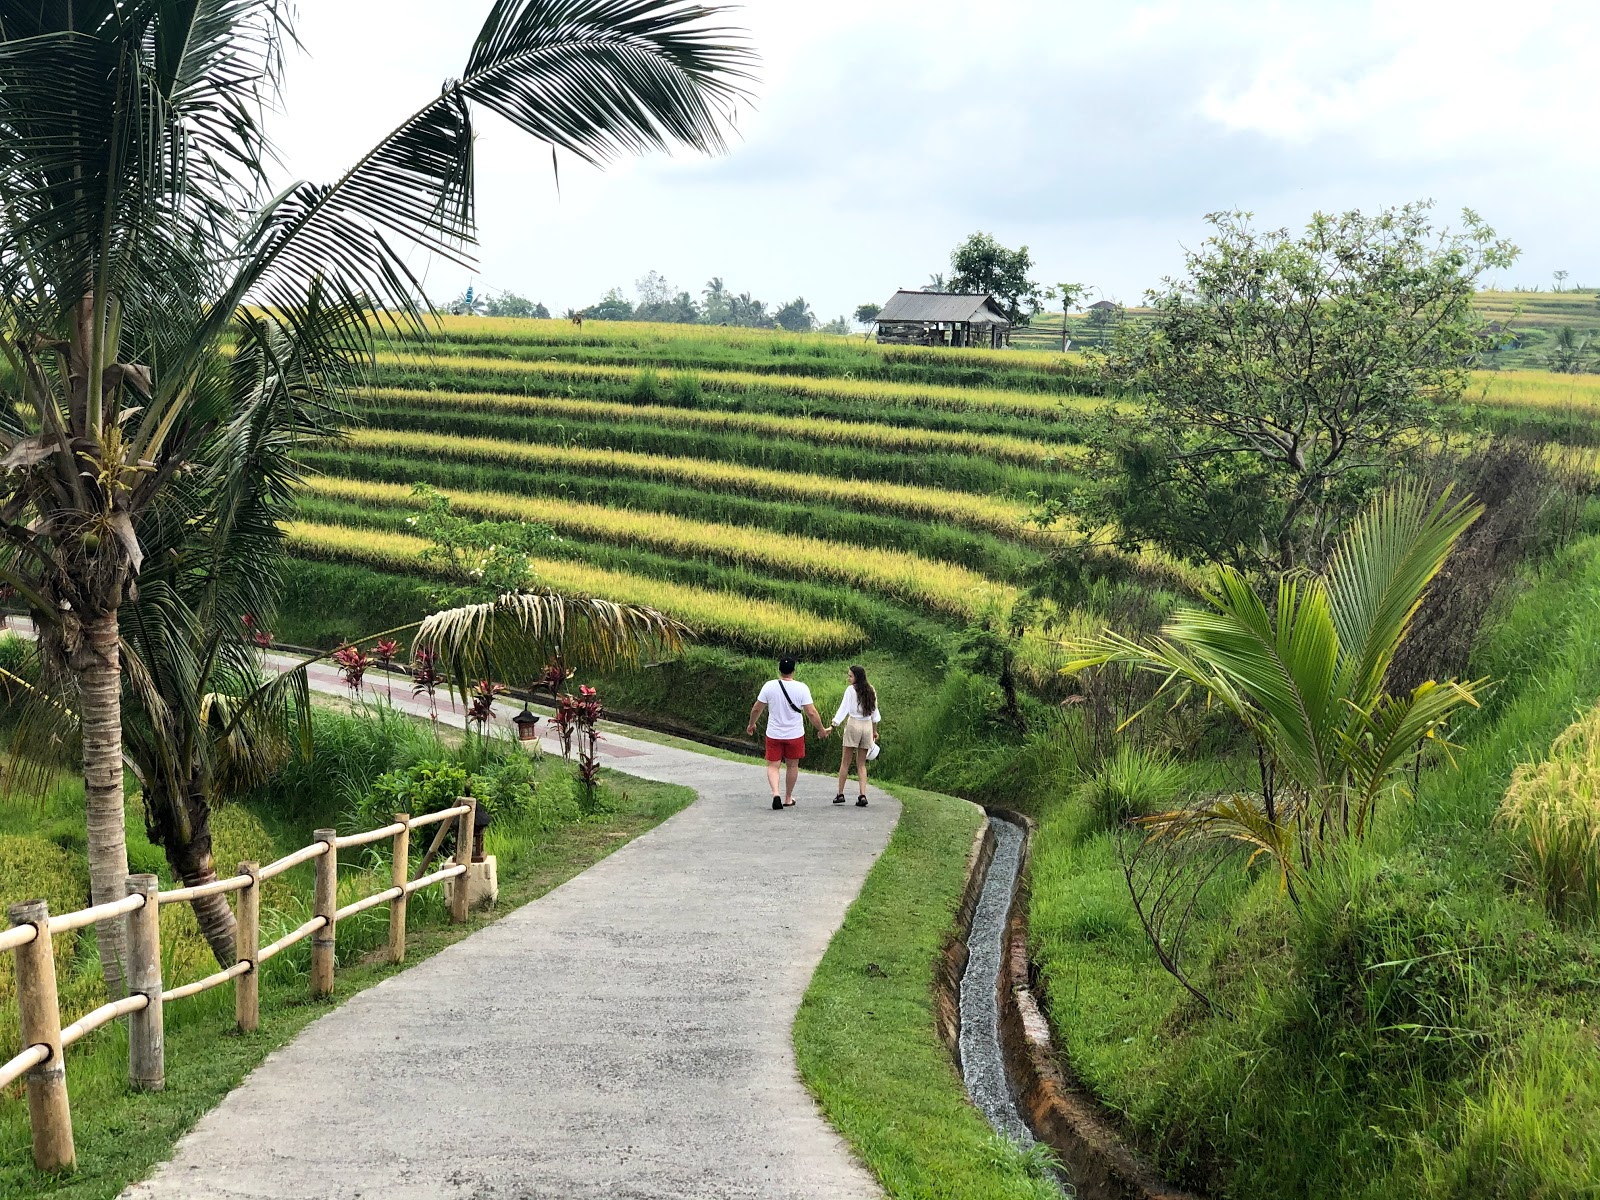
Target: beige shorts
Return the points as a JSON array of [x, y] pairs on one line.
[[857, 733]]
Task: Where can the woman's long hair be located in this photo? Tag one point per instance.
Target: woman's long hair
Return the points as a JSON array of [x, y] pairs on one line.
[[866, 697]]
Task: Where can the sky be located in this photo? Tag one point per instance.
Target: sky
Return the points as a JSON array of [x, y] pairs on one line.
[[882, 132]]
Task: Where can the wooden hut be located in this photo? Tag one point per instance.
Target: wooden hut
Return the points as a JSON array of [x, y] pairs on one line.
[[943, 319]]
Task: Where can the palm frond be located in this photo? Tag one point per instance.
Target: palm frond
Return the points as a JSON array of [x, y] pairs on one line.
[[515, 637], [1379, 574]]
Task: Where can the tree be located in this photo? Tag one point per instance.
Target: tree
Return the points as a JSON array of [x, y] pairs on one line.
[[936, 283], [1561, 280], [1069, 294], [716, 308], [1304, 671], [510, 304], [796, 316], [613, 306], [866, 314], [1280, 378], [660, 301], [981, 264], [836, 326], [747, 311], [138, 228]]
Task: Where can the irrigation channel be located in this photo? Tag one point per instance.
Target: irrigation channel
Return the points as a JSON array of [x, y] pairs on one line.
[[983, 1064]]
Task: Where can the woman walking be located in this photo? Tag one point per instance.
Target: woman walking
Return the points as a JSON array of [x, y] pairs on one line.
[[858, 710]]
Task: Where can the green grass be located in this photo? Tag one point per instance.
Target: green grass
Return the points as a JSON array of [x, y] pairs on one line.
[[1422, 1028], [864, 1036], [121, 1135]]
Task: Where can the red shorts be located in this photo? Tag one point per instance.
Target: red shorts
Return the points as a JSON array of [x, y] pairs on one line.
[[779, 749]]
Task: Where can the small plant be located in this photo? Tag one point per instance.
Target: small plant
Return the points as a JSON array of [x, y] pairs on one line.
[[1131, 783], [385, 651], [481, 711], [353, 664], [425, 680], [1552, 809], [586, 710]]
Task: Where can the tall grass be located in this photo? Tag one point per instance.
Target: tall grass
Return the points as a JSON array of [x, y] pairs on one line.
[[1552, 809], [981, 512], [723, 616], [942, 586]]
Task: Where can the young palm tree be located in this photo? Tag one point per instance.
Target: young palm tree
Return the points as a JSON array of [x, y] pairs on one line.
[[1305, 675], [137, 226]]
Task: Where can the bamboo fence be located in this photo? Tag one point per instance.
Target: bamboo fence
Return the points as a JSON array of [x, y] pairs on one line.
[[42, 1063]]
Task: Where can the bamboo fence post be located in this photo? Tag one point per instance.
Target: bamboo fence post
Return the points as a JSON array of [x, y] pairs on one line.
[[247, 988], [327, 902], [458, 894], [147, 1055], [398, 868], [38, 1011]]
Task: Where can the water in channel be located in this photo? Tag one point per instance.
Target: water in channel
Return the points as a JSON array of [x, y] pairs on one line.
[[982, 1063]]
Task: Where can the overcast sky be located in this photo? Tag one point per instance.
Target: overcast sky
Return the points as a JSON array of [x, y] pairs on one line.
[[1099, 134]]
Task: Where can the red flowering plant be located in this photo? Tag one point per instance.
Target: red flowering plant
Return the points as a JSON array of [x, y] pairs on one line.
[[385, 649], [481, 711], [586, 710], [352, 664], [426, 678]]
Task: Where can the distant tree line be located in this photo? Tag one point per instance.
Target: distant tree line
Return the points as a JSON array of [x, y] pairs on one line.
[[501, 304], [659, 300]]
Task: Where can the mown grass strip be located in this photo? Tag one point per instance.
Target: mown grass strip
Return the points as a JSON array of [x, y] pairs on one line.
[[821, 431], [909, 395], [864, 1037], [961, 508], [942, 586], [725, 617]]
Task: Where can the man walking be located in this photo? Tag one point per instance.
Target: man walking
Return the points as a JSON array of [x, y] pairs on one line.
[[787, 702]]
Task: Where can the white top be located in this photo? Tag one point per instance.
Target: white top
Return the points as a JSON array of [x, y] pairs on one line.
[[782, 721], [850, 706]]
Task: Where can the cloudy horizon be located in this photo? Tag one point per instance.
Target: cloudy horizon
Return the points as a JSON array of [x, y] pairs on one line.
[[1097, 136]]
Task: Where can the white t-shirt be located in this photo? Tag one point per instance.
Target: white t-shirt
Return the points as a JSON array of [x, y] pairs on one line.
[[850, 706], [782, 721]]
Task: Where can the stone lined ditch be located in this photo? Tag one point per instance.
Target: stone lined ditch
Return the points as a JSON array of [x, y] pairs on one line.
[[983, 1064]]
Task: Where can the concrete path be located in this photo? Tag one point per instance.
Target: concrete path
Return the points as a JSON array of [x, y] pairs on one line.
[[625, 1036]]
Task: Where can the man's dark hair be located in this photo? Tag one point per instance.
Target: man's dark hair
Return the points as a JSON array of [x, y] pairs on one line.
[[786, 666]]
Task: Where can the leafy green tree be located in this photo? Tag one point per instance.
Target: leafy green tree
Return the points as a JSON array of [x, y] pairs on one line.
[[716, 307], [1281, 379], [982, 264], [613, 306], [866, 314], [749, 312], [660, 301], [138, 229], [796, 316], [510, 304], [838, 325], [1069, 294]]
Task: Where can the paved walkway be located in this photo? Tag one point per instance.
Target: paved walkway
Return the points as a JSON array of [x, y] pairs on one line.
[[625, 1036]]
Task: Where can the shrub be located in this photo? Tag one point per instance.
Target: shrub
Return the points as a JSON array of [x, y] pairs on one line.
[[1131, 783], [423, 787], [1553, 811]]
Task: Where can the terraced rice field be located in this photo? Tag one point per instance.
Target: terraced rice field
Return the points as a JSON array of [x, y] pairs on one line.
[[775, 492]]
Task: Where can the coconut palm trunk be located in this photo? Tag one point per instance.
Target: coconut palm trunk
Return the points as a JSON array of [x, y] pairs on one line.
[[139, 231], [97, 667]]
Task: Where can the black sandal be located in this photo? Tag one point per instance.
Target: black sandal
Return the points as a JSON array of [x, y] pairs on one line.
[[788, 803], [839, 799], [861, 801], [777, 803]]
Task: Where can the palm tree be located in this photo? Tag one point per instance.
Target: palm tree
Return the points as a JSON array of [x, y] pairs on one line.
[[1304, 672], [137, 230]]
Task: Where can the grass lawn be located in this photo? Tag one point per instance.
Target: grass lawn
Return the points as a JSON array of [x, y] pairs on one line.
[[865, 1036], [122, 1135]]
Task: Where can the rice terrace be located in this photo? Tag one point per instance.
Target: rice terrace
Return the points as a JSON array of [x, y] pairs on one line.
[[1114, 713]]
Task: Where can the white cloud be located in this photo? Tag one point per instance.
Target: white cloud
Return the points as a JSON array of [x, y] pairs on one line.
[[1098, 134]]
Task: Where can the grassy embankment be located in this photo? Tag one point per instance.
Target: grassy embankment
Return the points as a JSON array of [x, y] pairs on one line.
[[1421, 1028], [865, 1036], [119, 1134]]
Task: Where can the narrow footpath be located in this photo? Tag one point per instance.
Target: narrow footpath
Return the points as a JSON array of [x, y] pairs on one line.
[[625, 1036]]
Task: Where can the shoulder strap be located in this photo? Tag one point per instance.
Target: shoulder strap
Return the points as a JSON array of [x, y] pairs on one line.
[[785, 692]]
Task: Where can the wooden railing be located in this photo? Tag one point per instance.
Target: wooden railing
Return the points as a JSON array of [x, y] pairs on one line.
[[42, 1062]]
